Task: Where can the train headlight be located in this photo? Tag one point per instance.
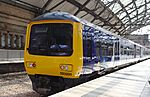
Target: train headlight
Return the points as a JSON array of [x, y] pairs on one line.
[[31, 64], [66, 67]]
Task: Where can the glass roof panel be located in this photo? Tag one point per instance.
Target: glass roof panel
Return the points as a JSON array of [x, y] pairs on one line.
[[133, 14], [125, 20], [125, 2], [141, 9], [106, 1], [148, 6], [115, 8], [134, 19], [140, 2], [122, 15], [148, 12], [131, 6]]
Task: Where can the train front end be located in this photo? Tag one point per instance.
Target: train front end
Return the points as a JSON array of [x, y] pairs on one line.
[[53, 51]]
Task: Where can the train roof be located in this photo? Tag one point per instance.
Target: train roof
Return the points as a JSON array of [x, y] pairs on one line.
[[67, 16], [57, 16]]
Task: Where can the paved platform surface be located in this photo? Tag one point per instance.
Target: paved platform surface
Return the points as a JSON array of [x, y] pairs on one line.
[[128, 82]]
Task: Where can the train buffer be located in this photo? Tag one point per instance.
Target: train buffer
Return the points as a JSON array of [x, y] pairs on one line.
[[128, 82]]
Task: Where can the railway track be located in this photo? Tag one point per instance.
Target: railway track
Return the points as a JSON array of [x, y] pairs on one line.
[[16, 85]]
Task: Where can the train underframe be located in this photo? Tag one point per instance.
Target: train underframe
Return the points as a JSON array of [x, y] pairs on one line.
[[48, 85]]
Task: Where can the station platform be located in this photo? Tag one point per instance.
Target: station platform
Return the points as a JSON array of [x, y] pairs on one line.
[[11, 56], [10, 61], [128, 82], [11, 65]]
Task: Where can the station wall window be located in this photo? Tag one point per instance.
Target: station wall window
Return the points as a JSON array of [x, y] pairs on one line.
[[0, 39], [3, 40], [22, 41], [19, 42], [9, 40], [15, 41]]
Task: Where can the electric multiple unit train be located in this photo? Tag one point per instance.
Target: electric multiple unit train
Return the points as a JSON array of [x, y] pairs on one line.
[[61, 47]]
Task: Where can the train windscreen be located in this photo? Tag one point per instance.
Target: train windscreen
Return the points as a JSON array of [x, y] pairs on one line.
[[51, 39]]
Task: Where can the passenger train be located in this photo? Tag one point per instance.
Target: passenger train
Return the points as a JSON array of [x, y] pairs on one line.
[[61, 48]]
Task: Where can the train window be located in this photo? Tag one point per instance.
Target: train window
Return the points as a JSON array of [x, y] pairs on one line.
[[110, 51], [104, 49], [116, 48], [87, 46], [122, 52], [98, 49], [125, 52], [51, 39]]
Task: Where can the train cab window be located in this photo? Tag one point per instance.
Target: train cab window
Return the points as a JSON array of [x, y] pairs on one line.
[[51, 39]]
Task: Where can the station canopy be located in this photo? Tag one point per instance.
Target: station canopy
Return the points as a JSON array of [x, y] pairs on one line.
[[119, 16]]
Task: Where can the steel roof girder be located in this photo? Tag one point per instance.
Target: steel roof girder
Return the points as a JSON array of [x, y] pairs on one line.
[[56, 5], [45, 5], [80, 9], [86, 9], [30, 7]]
